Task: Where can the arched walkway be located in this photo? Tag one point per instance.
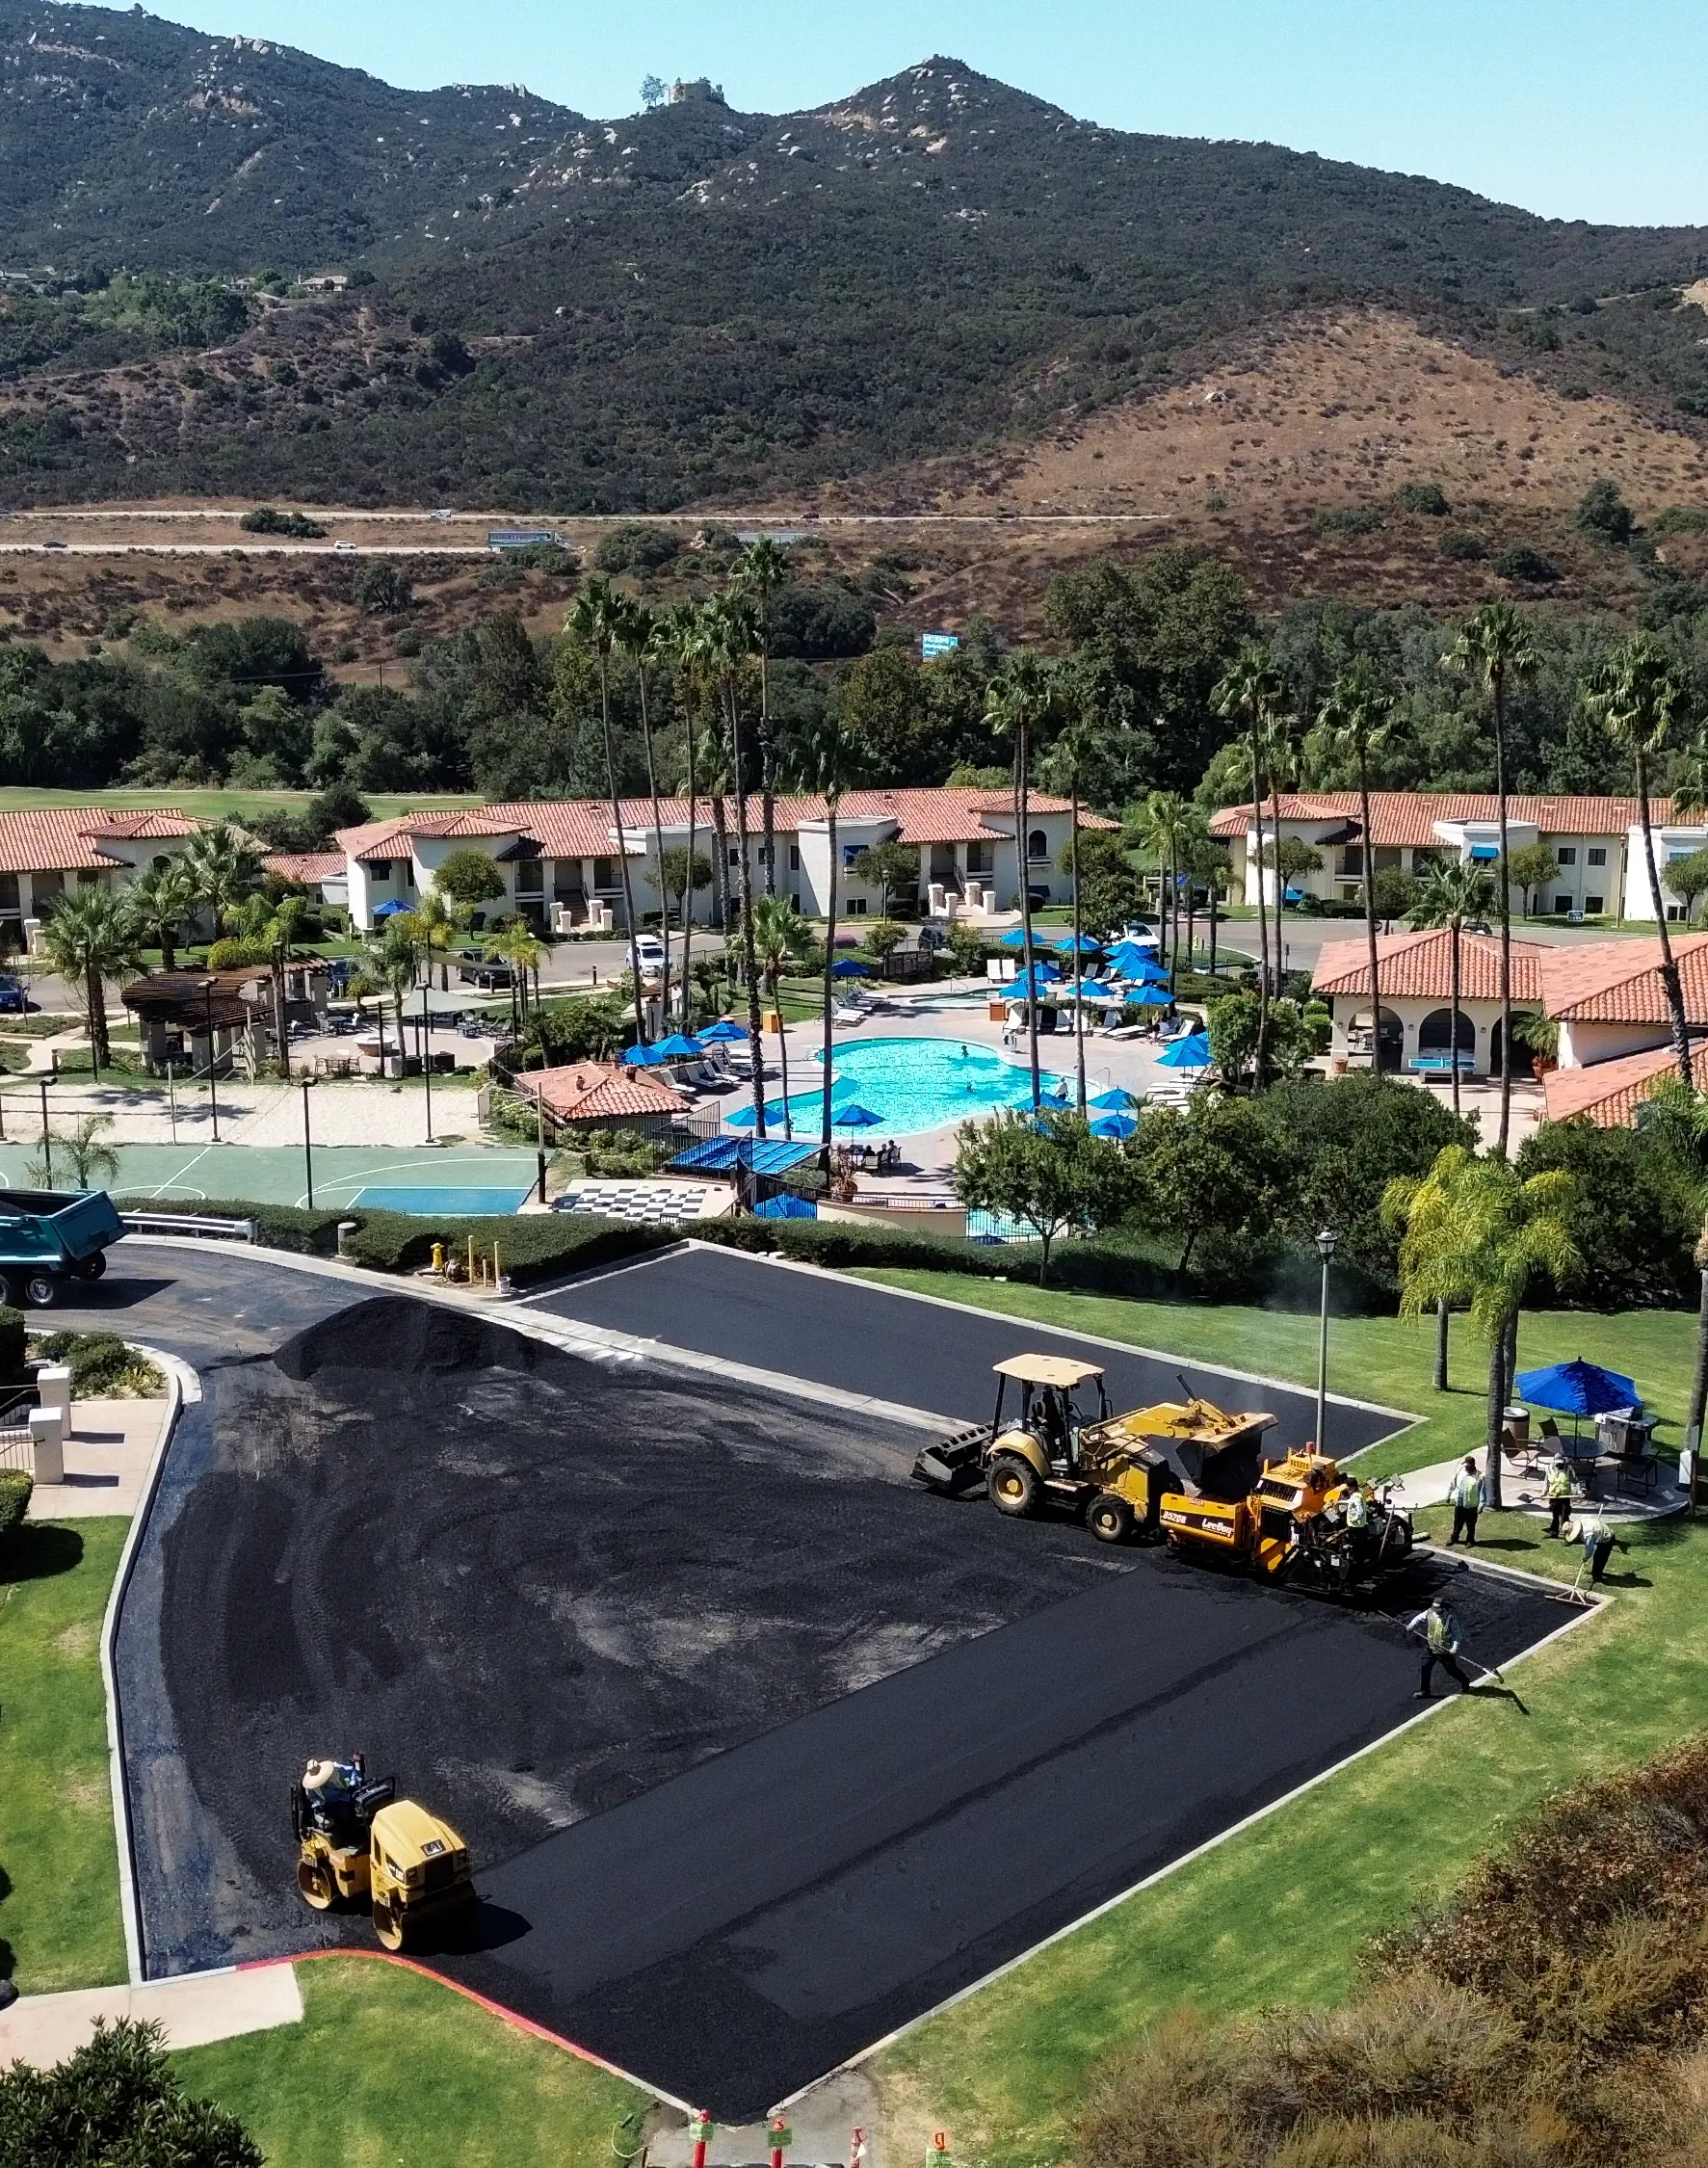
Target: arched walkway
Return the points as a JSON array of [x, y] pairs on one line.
[[1523, 1062], [1436, 1034], [1390, 1056]]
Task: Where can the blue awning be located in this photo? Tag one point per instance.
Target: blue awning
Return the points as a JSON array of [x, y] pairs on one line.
[[762, 1155], [785, 1207], [1483, 852]]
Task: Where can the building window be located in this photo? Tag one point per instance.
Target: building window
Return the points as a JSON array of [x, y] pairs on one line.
[[88, 878], [735, 857], [379, 871], [10, 906], [1675, 912], [980, 857], [1352, 859], [1597, 857], [1568, 854], [794, 858], [605, 880], [1386, 857], [857, 906], [1594, 905], [763, 853], [1037, 845], [161, 865], [1561, 904]]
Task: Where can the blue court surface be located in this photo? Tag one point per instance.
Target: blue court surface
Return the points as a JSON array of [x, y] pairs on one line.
[[439, 1204]]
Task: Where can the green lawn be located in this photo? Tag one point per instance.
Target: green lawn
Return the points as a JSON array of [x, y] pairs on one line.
[[58, 1877], [1281, 1912], [388, 2066]]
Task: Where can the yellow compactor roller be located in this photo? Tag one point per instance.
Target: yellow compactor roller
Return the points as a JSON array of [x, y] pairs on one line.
[[358, 1844], [1183, 1471]]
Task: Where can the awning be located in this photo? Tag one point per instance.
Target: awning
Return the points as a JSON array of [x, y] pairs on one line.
[[762, 1155], [1483, 852]]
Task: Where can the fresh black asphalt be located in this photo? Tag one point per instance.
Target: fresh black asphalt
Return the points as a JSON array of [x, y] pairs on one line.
[[763, 1752], [849, 1334]]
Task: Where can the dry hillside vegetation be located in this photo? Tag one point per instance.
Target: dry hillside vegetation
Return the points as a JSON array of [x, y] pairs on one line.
[[1339, 410]]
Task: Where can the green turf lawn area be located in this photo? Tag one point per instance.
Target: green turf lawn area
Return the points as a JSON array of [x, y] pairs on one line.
[[58, 1877], [388, 2066], [213, 804], [1281, 1912]]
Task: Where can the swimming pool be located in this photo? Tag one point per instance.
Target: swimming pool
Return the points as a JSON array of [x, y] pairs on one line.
[[911, 1085]]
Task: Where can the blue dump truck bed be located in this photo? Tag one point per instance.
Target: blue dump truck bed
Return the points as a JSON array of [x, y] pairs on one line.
[[50, 1235]]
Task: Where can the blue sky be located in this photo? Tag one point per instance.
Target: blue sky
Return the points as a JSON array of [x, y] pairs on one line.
[[1572, 108]]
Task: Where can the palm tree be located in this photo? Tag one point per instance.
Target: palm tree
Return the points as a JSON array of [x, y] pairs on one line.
[[1475, 1235], [161, 900], [388, 967], [1639, 693], [1251, 690], [1162, 829], [828, 766], [681, 637], [86, 1147], [1454, 895], [1074, 749], [1355, 719], [729, 641], [224, 867], [782, 936], [439, 921], [1017, 702], [764, 568], [640, 637], [595, 623], [89, 938], [1496, 648], [277, 925]]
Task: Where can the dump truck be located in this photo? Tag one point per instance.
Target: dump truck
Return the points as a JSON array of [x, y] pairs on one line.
[[359, 1844], [1294, 1522], [48, 1237], [1062, 1444]]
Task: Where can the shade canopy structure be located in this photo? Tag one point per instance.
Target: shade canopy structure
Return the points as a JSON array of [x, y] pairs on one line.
[[723, 1033], [849, 967], [854, 1116], [1577, 1389], [645, 1057], [1041, 983], [1131, 956], [1041, 937], [1115, 1101], [1190, 1052], [1150, 997], [763, 1155], [678, 1047], [391, 910], [785, 1205], [1115, 1126]]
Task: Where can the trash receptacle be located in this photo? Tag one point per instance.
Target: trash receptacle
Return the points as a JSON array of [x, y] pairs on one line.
[[1517, 1421]]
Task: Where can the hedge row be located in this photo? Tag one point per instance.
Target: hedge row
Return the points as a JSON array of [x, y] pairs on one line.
[[15, 1486]]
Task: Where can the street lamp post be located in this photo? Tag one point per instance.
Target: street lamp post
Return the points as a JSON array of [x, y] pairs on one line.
[[213, 1089], [307, 1145], [46, 1138], [1327, 1242]]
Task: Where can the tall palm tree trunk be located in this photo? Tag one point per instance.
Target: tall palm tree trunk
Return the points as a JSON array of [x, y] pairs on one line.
[[663, 892], [1698, 1400], [767, 763], [95, 997], [1497, 1413], [1442, 1314], [721, 871], [1021, 859], [1079, 1002], [622, 855], [1506, 902], [1215, 899], [1370, 915], [1262, 919], [749, 955], [830, 804], [1670, 980], [1452, 935], [688, 888]]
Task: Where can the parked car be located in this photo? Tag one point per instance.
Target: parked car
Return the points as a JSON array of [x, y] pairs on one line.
[[649, 952], [15, 996], [490, 978]]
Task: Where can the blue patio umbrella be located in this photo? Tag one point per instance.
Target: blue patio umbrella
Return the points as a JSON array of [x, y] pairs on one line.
[[645, 1057], [1115, 1126], [1151, 997], [854, 1116], [677, 1047], [1190, 1052], [849, 967], [1041, 983], [390, 910], [1577, 1389], [1115, 1101], [742, 1116], [723, 1033]]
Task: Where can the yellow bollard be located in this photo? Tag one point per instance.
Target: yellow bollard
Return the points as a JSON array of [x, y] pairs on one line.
[[438, 1261]]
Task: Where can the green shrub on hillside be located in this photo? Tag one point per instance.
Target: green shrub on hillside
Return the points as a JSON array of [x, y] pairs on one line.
[[1346, 520], [1423, 496]]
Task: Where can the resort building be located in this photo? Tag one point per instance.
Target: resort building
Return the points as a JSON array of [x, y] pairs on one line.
[[562, 868], [1417, 1026], [48, 850], [1599, 867]]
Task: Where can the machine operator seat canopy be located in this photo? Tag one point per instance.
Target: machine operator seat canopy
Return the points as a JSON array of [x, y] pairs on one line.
[[1061, 1371]]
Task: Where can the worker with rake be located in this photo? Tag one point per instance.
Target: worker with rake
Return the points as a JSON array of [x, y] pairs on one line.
[[1443, 1639]]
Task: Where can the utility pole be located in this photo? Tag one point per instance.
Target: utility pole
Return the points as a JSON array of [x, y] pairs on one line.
[[1326, 1244], [307, 1145], [46, 1138]]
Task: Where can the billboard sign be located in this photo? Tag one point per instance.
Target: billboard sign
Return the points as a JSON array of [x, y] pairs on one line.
[[932, 645]]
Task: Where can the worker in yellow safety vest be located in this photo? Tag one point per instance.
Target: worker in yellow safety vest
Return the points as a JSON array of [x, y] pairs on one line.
[[1444, 1638], [1465, 1495], [1558, 1492]]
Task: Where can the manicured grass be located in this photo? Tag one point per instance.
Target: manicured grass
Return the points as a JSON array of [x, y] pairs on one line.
[[1279, 1912], [388, 2066], [58, 1877]]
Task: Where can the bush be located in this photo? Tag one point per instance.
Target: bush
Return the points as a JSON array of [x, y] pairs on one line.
[[820, 622], [1525, 565], [1604, 514], [1461, 547], [1681, 519], [265, 521], [102, 1366], [1635, 1226], [12, 1346], [1423, 496], [635, 548], [1346, 520], [15, 1486], [116, 2099]]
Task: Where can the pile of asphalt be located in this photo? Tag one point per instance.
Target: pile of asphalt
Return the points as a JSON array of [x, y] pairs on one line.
[[531, 1587]]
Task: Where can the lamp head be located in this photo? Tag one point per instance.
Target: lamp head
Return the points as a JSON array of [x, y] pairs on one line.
[[1327, 1242]]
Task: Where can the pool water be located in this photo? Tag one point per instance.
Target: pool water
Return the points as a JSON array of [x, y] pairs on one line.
[[913, 1085]]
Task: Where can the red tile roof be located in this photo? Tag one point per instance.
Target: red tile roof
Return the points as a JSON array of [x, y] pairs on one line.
[[305, 866], [595, 1091], [1619, 980], [580, 827], [1610, 1093], [66, 839], [1419, 966], [1406, 818]]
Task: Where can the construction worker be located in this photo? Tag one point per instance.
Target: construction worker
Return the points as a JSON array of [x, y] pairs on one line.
[[1597, 1539], [1443, 1639], [1558, 1493], [1355, 1507], [1465, 1495]]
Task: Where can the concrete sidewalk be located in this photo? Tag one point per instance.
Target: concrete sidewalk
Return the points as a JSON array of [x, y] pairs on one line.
[[109, 1450], [43, 2029]]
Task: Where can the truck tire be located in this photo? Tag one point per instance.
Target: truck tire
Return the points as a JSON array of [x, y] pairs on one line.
[[92, 1268], [1012, 1484], [1110, 1519], [41, 1290]]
